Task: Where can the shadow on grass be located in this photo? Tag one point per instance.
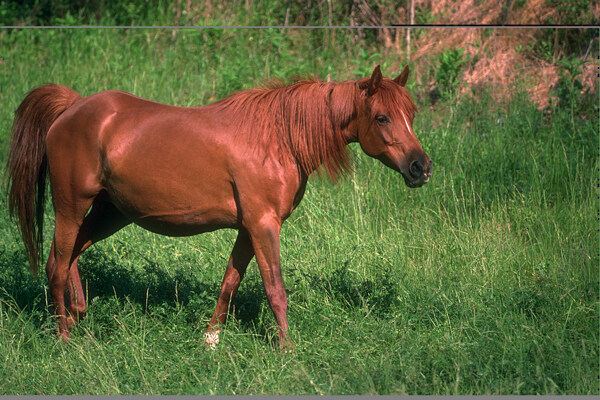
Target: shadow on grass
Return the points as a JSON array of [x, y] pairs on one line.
[[159, 292], [147, 285], [150, 285], [17, 282], [378, 295]]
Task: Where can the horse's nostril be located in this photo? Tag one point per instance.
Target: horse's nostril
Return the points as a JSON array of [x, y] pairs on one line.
[[416, 169]]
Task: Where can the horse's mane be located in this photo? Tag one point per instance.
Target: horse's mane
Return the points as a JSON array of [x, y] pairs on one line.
[[305, 118]]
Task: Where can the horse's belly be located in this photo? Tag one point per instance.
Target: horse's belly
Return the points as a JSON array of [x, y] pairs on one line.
[[185, 224], [178, 218], [175, 207]]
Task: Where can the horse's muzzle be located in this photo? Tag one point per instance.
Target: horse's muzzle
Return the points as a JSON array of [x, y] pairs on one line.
[[419, 172]]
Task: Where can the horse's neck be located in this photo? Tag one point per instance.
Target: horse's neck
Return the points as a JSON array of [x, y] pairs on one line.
[[305, 121]]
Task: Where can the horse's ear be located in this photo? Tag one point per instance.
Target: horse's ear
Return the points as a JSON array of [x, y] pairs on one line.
[[403, 77], [372, 84], [375, 81]]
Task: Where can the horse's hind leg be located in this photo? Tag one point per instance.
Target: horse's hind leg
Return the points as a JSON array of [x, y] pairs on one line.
[[103, 220], [67, 225], [236, 267], [77, 302]]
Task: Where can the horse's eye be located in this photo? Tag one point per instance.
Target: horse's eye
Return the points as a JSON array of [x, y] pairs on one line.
[[382, 119]]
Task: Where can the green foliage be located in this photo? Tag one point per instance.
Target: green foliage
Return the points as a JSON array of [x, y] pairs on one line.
[[89, 12], [366, 61], [545, 49], [570, 87], [163, 12], [572, 12], [572, 42], [423, 16], [449, 66]]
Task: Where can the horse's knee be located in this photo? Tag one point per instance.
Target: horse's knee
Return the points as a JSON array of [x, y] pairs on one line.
[[231, 283], [58, 281]]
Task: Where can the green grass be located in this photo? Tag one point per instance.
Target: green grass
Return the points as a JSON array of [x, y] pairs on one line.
[[484, 281]]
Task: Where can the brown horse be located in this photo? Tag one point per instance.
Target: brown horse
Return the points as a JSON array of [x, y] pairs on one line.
[[242, 162]]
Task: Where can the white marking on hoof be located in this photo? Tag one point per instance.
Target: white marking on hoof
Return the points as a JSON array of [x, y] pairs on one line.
[[211, 339]]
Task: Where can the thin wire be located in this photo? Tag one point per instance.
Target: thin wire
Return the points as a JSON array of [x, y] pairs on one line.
[[426, 26]]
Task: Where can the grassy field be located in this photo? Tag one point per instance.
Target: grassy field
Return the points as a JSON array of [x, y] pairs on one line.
[[484, 281]]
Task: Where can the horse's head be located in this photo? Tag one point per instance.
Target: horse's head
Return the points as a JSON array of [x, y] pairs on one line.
[[384, 127]]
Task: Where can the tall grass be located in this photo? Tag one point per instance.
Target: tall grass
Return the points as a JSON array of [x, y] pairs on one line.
[[484, 281]]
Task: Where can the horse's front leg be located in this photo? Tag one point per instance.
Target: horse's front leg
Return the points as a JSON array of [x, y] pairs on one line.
[[236, 267], [264, 234]]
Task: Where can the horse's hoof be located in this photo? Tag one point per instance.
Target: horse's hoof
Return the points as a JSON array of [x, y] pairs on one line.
[[63, 336], [285, 345], [211, 339]]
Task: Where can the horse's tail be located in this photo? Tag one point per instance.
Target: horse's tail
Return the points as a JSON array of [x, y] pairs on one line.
[[27, 164]]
